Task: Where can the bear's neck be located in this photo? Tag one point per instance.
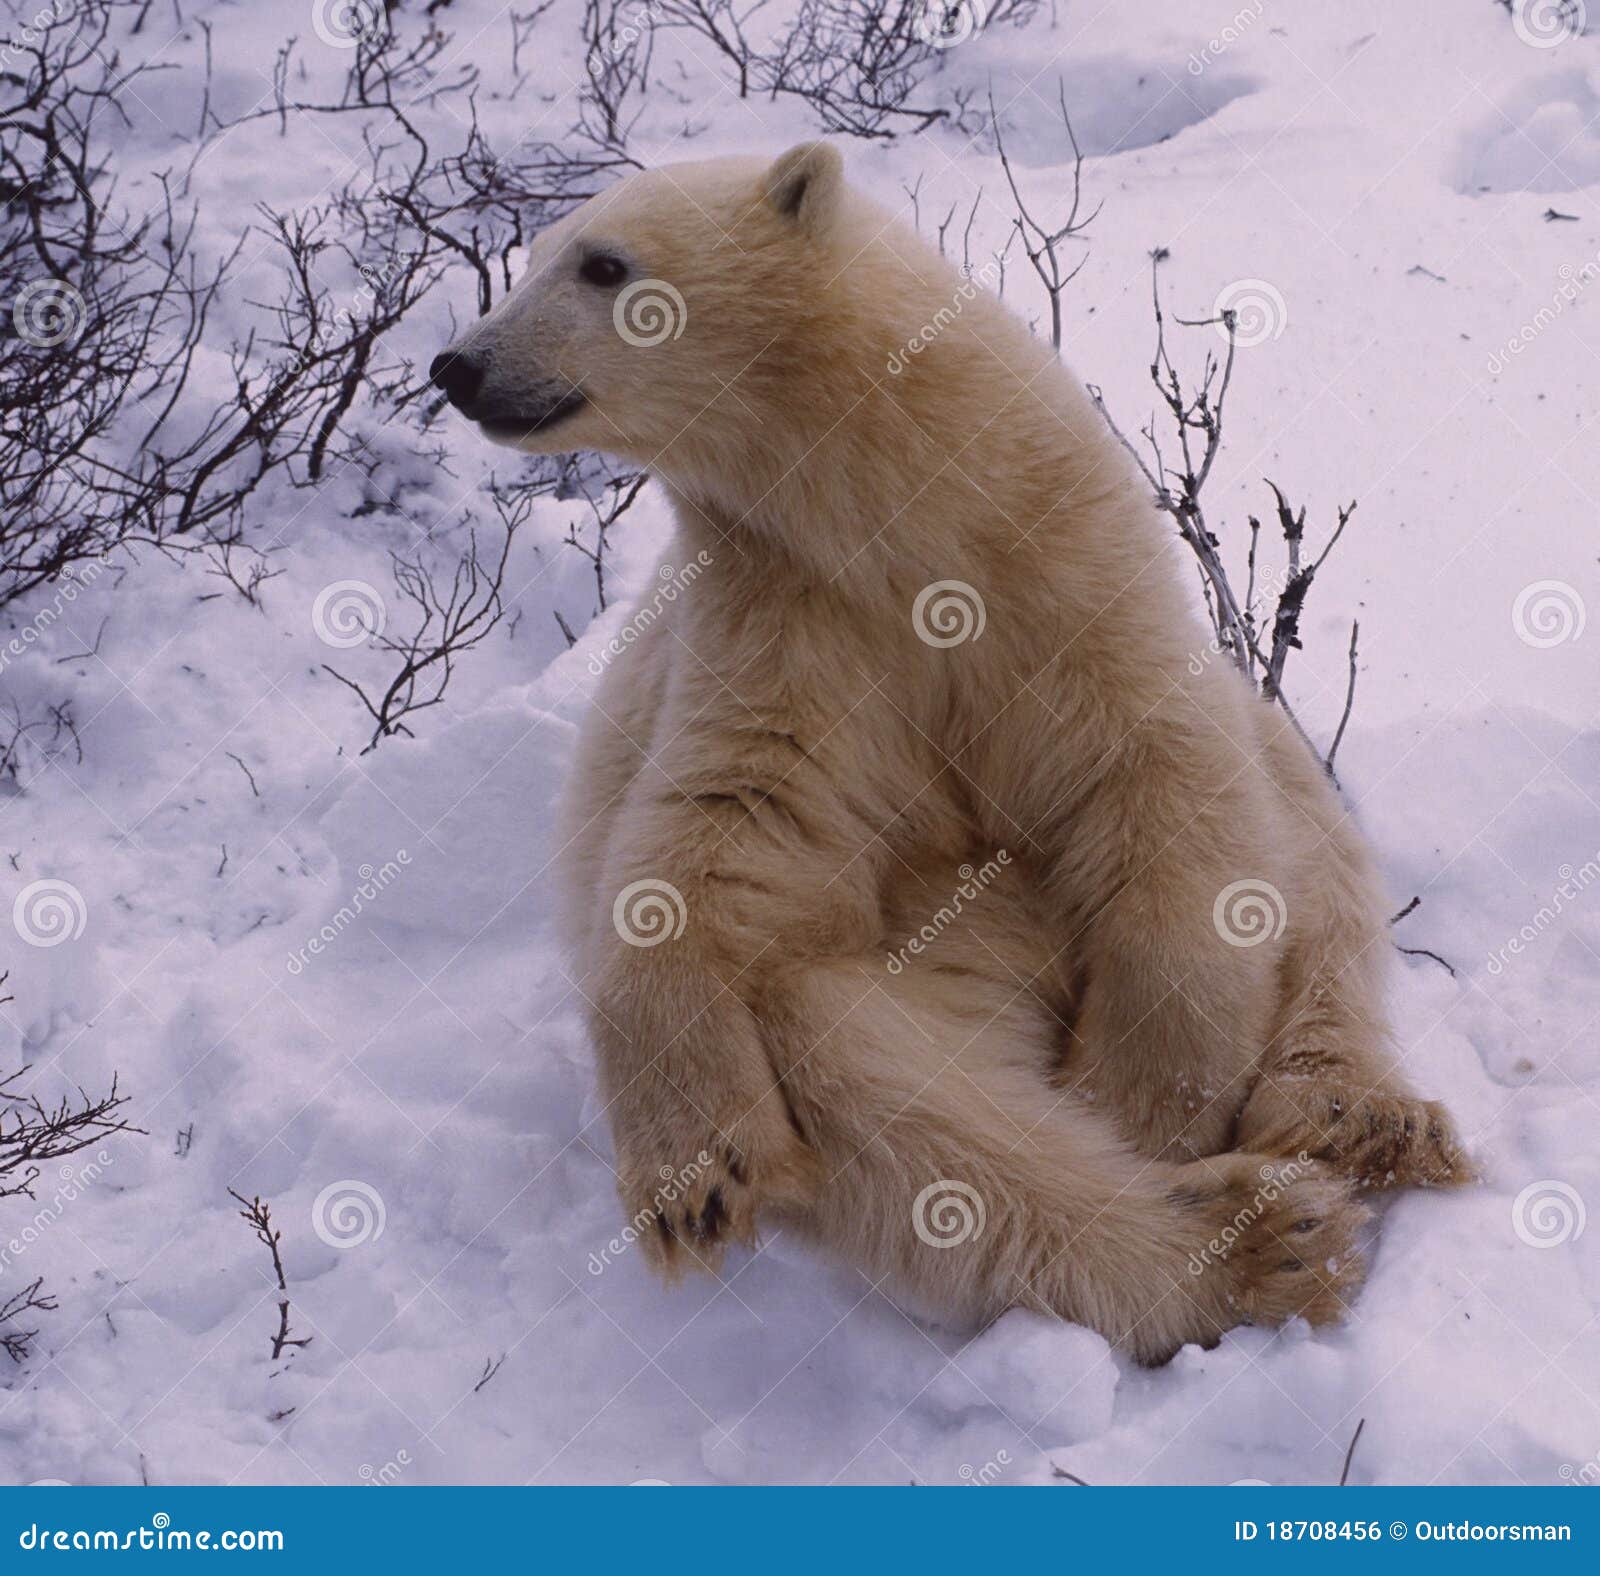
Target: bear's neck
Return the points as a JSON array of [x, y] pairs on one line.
[[964, 463]]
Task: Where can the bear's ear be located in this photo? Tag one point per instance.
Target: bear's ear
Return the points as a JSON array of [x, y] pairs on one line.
[[805, 184]]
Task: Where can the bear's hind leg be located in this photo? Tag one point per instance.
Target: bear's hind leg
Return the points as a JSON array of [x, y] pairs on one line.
[[1327, 1086], [956, 1177]]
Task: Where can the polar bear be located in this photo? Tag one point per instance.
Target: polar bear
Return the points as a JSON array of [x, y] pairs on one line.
[[927, 896]]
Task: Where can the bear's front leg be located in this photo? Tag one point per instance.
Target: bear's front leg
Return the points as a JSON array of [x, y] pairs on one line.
[[704, 1137], [708, 882]]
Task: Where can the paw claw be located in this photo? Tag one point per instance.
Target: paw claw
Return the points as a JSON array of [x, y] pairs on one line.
[[696, 1210]]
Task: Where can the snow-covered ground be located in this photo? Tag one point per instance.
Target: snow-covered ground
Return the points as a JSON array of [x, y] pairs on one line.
[[415, 1097]]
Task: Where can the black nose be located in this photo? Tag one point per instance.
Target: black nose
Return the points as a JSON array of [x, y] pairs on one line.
[[459, 373]]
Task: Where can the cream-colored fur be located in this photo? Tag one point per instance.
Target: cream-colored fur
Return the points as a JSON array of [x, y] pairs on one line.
[[1163, 1133]]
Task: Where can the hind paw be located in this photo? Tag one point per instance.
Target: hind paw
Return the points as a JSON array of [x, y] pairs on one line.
[[1282, 1241], [1378, 1139]]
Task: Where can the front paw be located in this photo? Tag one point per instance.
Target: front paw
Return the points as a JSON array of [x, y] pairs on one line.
[[690, 1198]]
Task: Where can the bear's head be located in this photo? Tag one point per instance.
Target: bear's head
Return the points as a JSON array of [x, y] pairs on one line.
[[696, 319]]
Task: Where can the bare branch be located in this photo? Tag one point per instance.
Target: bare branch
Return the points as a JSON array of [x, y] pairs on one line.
[[258, 1215]]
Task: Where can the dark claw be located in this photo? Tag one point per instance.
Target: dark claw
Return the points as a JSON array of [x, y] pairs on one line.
[[706, 1223]]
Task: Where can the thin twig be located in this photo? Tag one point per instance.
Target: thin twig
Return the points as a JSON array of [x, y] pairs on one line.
[[1422, 952], [1349, 1455], [246, 770], [259, 1215], [1349, 699]]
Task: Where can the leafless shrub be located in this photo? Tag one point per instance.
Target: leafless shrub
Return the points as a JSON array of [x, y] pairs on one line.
[[617, 46], [103, 312], [1196, 411], [471, 202], [1042, 243], [861, 65], [15, 1341], [106, 442], [28, 744], [722, 23], [103, 439], [615, 497], [258, 1215], [454, 613], [31, 1134]]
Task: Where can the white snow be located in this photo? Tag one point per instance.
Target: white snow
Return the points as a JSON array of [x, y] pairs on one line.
[[431, 1052]]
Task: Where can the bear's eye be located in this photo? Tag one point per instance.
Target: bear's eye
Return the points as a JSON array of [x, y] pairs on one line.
[[602, 269]]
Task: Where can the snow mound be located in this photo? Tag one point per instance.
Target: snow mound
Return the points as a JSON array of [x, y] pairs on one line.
[[1544, 136]]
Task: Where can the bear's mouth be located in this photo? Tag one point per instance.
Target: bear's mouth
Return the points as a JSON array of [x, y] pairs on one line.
[[526, 423]]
